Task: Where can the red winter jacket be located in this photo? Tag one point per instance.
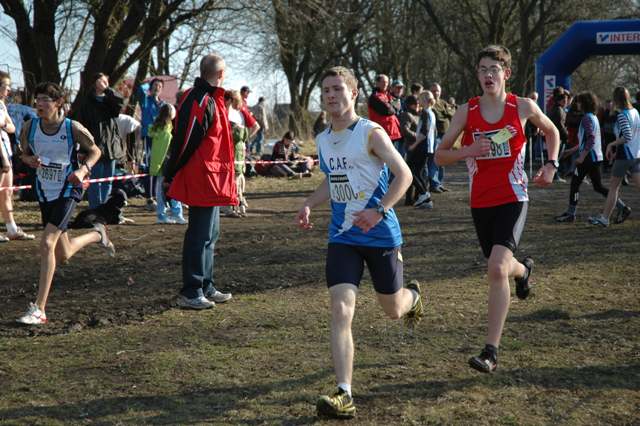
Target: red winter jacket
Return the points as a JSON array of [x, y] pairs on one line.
[[382, 112], [200, 166]]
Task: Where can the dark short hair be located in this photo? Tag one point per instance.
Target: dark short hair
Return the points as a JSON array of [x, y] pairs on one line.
[[261, 98], [417, 87], [289, 135], [588, 102], [98, 75], [245, 89], [497, 53], [50, 89], [154, 81], [411, 100]]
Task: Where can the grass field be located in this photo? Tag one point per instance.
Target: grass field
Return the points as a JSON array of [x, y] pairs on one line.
[[117, 351]]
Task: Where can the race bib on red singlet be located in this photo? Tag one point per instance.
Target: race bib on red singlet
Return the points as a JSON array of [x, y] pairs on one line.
[[498, 150]]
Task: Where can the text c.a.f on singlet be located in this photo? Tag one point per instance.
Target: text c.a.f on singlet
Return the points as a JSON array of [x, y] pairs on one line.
[[497, 178], [357, 180]]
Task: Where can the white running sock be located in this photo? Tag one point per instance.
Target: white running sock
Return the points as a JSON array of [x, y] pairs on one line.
[[12, 228], [345, 387]]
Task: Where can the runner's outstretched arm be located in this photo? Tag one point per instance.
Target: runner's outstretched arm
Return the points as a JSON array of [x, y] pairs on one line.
[[319, 196]]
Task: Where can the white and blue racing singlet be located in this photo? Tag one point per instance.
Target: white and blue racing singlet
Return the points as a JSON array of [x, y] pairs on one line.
[[627, 126], [357, 180], [58, 161], [596, 150]]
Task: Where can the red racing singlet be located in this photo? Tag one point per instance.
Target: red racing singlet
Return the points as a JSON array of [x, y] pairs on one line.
[[499, 177]]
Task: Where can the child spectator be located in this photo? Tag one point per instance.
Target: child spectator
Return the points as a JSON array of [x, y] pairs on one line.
[[160, 134], [240, 134]]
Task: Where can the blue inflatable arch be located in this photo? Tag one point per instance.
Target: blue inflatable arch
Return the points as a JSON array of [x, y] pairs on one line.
[[582, 40]]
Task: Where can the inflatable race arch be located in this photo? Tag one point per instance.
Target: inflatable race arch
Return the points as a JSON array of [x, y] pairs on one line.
[[582, 40]]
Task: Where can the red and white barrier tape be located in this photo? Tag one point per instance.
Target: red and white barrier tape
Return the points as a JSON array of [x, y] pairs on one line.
[[127, 177], [84, 182]]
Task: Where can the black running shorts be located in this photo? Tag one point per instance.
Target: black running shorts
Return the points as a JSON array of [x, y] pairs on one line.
[[345, 265], [58, 212], [500, 225]]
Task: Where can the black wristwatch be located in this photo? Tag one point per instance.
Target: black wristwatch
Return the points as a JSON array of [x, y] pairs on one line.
[[382, 210], [554, 163]]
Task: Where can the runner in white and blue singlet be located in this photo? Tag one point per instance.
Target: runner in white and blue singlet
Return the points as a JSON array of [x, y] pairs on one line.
[[50, 144], [357, 156], [357, 181], [627, 156]]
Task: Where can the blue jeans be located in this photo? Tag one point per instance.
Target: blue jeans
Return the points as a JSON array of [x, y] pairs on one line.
[[99, 192], [433, 171], [257, 142], [197, 253], [161, 209]]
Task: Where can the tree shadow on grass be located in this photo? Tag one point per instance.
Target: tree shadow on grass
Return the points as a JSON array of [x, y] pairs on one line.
[[216, 404], [597, 377], [558, 314]]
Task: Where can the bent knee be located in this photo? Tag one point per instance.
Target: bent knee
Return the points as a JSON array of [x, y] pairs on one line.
[[497, 271]]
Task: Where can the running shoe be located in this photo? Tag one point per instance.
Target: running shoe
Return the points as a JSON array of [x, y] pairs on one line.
[[218, 296], [426, 206], [565, 217], [438, 190], [415, 314], [165, 220], [622, 214], [339, 405], [3, 239], [197, 303], [33, 316], [21, 235], [422, 198], [486, 362], [105, 243], [179, 220], [599, 220], [522, 284]]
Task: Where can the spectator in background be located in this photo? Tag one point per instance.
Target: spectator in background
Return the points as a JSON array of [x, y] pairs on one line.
[[320, 124], [416, 89], [98, 112], [383, 112], [19, 113], [200, 173], [249, 120], [531, 132], [150, 104], [295, 165], [408, 128], [636, 104], [262, 117], [240, 134], [397, 96], [443, 112], [160, 133], [574, 118], [558, 117], [6, 170]]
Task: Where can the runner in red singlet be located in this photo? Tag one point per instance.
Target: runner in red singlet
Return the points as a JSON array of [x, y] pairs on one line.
[[493, 146]]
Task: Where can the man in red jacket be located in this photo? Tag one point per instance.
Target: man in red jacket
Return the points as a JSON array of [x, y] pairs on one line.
[[200, 174], [382, 111]]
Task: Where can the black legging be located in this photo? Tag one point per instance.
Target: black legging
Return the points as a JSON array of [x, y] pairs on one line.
[[416, 159], [591, 168]]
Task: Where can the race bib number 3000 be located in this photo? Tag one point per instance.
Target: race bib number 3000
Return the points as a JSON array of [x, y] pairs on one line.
[[51, 173], [341, 190]]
